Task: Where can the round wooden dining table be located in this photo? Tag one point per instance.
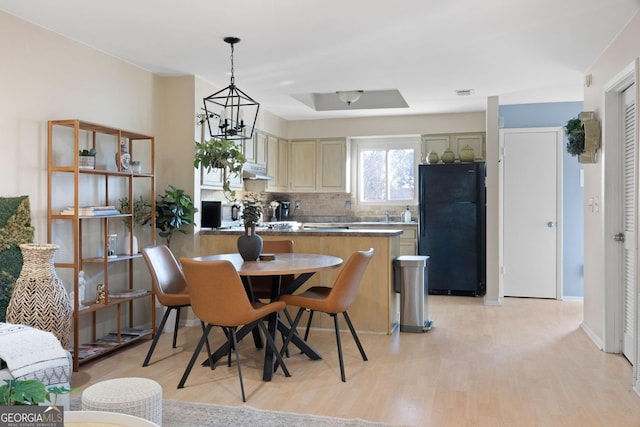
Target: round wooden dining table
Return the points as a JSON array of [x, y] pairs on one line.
[[301, 265]]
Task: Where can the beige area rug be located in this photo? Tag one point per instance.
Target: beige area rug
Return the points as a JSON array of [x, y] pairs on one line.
[[186, 414]]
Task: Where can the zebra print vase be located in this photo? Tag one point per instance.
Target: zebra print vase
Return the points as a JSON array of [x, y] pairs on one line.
[[39, 298]]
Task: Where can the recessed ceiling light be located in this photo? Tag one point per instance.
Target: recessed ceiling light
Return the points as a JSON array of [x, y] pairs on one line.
[[463, 92]]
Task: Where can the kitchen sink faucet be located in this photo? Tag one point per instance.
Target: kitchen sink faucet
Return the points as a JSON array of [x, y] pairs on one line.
[[386, 216]]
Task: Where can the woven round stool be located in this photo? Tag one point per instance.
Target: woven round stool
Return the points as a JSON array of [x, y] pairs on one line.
[[140, 397]]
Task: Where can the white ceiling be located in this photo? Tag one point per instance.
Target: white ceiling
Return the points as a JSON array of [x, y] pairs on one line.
[[521, 51]]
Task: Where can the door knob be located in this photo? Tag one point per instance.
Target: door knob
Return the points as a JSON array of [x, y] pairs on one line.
[[551, 224], [619, 237]]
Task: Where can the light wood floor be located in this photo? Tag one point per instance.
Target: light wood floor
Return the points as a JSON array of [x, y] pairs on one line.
[[525, 363]]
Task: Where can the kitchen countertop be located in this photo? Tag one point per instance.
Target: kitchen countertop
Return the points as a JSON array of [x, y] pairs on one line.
[[323, 231]]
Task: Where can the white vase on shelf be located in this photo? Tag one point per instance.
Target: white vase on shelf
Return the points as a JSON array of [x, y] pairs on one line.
[[133, 249]]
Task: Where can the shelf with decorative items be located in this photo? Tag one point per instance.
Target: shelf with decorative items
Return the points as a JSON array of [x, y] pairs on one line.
[[583, 136], [451, 147], [88, 213]]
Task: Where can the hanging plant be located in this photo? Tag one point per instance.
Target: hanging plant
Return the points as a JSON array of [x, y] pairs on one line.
[[575, 133], [220, 154]]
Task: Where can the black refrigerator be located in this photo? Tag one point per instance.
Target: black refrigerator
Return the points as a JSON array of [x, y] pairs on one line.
[[452, 218]]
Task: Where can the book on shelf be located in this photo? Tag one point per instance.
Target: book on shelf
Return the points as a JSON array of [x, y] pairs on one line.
[[127, 293], [131, 332], [88, 350], [91, 210]]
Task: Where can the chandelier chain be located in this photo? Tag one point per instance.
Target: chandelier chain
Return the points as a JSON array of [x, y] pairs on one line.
[[232, 70]]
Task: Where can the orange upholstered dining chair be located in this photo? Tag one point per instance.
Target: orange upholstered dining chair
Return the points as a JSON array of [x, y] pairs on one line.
[[169, 288], [333, 301], [218, 298]]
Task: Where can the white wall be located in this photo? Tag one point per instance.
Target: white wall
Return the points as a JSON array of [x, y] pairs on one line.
[[618, 55]]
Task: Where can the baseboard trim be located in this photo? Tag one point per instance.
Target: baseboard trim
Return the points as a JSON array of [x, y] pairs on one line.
[[596, 340]]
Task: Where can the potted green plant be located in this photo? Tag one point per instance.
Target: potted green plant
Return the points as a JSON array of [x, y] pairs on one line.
[[174, 211], [87, 158], [250, 244], [220, 154], [29, 392], [575, 134], [141, 215]]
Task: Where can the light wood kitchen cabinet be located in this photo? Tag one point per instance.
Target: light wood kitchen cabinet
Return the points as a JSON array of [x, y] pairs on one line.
[[332, 166], [277, 153], [318, 166], [282, 176], [261, 148], [409, 240], [302, 166], [455, 142], [213, 180], [255, 149]]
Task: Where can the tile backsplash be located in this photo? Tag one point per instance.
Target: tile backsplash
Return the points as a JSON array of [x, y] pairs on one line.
[[339, 207], [325, 207]]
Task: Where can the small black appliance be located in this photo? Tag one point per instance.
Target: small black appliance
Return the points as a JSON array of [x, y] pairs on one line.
[[211, 214], [283, 211]]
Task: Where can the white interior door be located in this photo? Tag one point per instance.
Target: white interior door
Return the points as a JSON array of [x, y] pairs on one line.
[[530, 212], [629, 221]]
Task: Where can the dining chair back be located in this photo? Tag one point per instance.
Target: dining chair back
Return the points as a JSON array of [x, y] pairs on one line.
[[218, 298], [333, 301], [169, 288]]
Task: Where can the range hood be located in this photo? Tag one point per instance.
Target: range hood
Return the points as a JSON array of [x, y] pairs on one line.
[[255, 172]]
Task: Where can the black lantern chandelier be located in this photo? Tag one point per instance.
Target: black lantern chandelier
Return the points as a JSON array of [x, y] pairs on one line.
[[227, 110]]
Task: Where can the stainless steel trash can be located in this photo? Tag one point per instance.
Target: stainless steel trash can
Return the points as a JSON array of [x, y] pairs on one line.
[[411, 280]]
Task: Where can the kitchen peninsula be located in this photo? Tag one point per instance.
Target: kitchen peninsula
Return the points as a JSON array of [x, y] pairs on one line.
[[376, 308]]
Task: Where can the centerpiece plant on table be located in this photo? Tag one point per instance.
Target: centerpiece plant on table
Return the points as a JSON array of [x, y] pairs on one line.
[[252, 209], [250, 244]]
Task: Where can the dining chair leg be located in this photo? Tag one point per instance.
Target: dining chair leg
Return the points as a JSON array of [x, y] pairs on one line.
[[355, 336], [232, 346], [157, 336], [211, 362], [272, 344], [196, 352], [338, 341], [232, 332], [175, 327], [306, 332]]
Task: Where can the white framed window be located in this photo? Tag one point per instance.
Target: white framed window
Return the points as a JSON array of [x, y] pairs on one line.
[[387, 170]]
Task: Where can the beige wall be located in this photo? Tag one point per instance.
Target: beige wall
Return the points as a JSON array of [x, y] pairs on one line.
[[44, 76], [617, 56]]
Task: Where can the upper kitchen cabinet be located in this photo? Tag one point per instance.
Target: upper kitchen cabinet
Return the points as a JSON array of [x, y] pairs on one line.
[[456, 142], [302, 166], [255, 149], [331, 175], [318, 166], [277, 155]]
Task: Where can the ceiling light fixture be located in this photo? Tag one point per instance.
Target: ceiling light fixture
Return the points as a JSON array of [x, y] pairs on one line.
[[236, 105], [349, 96]]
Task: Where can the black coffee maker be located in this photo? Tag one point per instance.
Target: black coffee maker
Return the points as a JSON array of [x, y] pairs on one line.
[[283, 211]]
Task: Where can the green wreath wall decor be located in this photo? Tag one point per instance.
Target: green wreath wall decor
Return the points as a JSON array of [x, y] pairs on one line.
[[15, 229]]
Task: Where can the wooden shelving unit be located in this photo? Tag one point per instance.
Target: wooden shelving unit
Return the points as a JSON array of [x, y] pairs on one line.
[[70, 185]]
